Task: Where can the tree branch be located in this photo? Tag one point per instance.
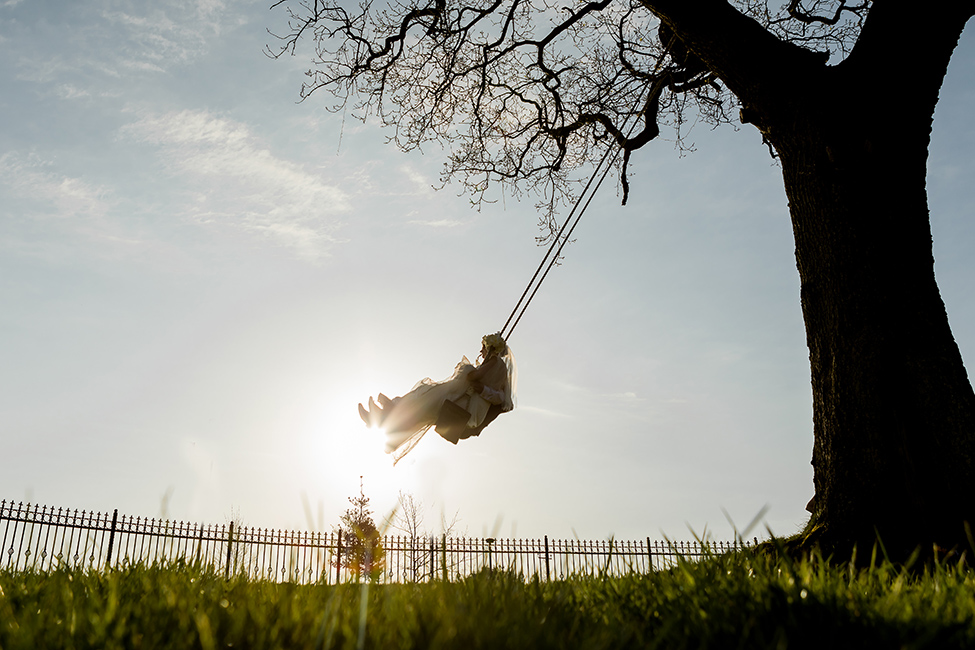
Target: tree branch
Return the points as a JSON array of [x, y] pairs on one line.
[[521, 91], [797, 12]]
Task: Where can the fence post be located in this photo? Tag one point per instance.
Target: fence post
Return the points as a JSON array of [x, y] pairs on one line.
[[199, 544], [433, 559], [111, 539], [230, 546], [443, 550], [338, 559], [548, 574]]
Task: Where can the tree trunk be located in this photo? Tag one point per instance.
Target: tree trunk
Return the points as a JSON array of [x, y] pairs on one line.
[[893, 408]]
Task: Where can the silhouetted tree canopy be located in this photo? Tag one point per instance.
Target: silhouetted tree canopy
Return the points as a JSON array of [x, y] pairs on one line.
[[526, 92]]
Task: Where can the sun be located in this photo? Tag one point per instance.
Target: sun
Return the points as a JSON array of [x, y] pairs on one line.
[[342, 448]]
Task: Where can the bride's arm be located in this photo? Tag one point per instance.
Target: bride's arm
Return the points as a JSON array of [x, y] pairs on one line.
[[478, 373], [492, 373]]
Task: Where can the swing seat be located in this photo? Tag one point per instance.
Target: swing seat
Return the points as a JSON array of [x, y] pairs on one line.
[[452, 421]]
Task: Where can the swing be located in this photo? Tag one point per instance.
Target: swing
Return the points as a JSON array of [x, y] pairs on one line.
[[443, 405], [453, 418]]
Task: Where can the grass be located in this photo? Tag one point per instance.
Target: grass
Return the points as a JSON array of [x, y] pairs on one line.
[[733, 601]]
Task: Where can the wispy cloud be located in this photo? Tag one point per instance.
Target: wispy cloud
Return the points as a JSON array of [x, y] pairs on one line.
[[161, 34], [70, 91], [235, 180], [436, 223], [549, 413], [52, 194], [421, 184], [117, 38]]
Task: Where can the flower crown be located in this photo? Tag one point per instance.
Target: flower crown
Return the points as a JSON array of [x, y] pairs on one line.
[[494, 343]]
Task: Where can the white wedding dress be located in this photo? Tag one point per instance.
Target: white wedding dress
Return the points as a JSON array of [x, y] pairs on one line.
[[407, 418]]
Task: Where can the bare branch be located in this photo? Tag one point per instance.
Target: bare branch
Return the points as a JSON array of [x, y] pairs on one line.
[[796, 11], [522, 92]]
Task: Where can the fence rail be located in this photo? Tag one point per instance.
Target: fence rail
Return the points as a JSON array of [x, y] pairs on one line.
[[43, 538]]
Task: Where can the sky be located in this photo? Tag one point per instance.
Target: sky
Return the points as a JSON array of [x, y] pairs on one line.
[[201, 276]]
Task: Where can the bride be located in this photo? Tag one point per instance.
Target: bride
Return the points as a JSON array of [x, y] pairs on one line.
[[458, 407]]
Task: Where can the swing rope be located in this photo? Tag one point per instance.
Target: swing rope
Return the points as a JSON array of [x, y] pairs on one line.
[[561, 240], [558, 238]]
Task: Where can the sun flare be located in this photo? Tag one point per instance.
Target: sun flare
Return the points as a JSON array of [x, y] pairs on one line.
[[342, 448]]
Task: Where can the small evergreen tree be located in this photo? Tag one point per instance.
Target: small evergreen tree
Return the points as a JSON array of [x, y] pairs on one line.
[[362, 550]]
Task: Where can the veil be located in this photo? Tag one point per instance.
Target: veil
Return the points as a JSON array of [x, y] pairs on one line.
[[509, 361]]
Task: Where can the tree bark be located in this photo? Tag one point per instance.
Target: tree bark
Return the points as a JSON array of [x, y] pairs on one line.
[[893, 408]]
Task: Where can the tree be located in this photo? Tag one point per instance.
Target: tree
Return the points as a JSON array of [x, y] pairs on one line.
[[362, 550], [408, 518], [525, 92]]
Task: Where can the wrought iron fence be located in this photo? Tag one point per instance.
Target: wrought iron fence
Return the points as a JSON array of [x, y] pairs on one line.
[[43, 538]]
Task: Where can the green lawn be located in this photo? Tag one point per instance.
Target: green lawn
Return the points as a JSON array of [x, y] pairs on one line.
[[740, 601]]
